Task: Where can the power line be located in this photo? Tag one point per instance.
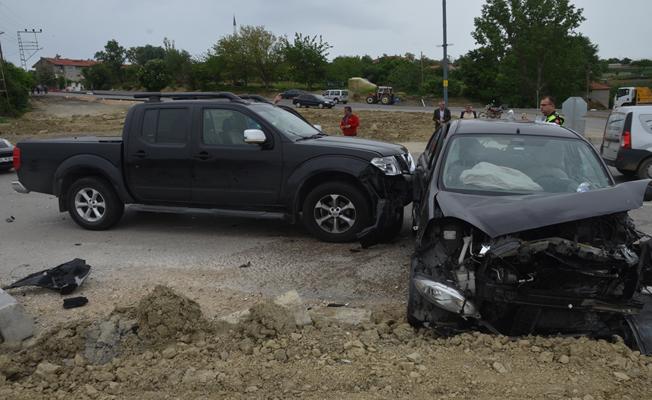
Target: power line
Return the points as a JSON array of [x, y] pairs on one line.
[[27, 46]]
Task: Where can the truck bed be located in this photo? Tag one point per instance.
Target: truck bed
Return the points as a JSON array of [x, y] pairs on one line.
[[41, 158]]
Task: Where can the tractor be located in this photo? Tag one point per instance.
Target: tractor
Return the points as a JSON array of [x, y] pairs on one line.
[[383, 95]]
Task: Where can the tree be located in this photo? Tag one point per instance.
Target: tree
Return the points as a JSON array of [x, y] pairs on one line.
[[178, 63], [306, 57], [141, 54], [344, 67], [19, 83], [232, 58], [153, 75], [113, 57], [528, 40], [97, 77], [264, 50], [205, 74], [44, 74]]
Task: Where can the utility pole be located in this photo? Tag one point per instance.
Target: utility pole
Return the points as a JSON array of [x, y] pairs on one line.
[[422, 69], [445, 62], [2, 74], [27, 46]]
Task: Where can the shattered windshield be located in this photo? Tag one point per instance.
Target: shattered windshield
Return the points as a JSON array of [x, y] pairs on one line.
[[286, 122], [522, 164]]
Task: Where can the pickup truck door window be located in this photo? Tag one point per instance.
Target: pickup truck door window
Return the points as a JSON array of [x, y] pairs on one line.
[[227, 171], [159, 164]]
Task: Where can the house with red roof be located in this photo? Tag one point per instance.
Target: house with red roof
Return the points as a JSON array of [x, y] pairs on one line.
[[600, 93], [68, 68]]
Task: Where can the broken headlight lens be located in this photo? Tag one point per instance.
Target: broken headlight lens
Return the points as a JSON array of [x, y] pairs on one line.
[[389, 165], [446, 297]]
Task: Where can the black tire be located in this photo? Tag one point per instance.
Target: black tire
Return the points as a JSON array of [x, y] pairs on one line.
[[385, 100], [370, 100], [344, 102], [94, 216], [349, 204], [321, 105], [645, 169], [298, 104], [337, 101]]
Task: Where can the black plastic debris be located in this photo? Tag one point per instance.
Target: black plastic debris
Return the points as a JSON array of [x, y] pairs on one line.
[[64, 278], [10, 219], [246, 265], [74, 302]]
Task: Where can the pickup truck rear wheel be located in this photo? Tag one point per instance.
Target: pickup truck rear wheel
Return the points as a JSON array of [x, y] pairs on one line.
[[336, 212], [93, 204]]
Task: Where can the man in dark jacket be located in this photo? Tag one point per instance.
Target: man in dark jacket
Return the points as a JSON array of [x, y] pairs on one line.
[[442, 115]]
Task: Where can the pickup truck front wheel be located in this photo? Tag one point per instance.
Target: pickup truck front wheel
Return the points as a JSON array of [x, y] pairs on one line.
[[93, 204], [336, 212]]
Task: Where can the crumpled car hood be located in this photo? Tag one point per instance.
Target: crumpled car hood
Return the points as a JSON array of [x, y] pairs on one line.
[[502, 215]]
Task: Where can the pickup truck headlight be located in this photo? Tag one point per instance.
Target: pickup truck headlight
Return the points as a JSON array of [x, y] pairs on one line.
[[389, 165]]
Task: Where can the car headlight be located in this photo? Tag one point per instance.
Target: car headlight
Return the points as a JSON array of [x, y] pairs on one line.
[[412, 166], [389, 165], [446, 297]]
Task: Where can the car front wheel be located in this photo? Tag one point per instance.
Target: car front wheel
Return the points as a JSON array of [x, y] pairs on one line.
[[645, 169], [336, 212], [93, 204]]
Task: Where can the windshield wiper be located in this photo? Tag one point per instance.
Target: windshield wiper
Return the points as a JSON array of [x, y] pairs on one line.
[[315, 136]]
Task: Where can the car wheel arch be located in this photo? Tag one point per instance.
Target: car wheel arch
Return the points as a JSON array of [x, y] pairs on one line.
[[318, 178]]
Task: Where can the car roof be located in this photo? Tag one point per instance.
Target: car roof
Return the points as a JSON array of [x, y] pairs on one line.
[[635, 109], [480, 126]]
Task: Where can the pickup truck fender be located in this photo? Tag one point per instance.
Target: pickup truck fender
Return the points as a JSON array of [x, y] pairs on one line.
[[88, 165], [321, 169]]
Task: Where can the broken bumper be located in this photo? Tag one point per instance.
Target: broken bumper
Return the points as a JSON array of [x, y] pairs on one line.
[[17, 186]]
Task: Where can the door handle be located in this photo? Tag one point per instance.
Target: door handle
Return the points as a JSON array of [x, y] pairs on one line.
[[140, 154], [203, 156]]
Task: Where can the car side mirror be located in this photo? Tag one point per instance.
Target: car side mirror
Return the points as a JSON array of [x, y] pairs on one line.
[[648, 193], [318, 127], [254, 136]]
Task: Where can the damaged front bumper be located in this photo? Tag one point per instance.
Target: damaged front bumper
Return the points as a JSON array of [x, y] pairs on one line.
[[390, 195]]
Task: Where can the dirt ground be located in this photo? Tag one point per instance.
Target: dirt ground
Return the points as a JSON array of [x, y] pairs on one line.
[[137, 341], [60, 116], [164, 348]]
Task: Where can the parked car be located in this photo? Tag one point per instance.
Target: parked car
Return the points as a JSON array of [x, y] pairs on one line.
[[627, 141], [337, 95], [521, 230], [6, 155], [312, 100], [233, 156], [292, 93]]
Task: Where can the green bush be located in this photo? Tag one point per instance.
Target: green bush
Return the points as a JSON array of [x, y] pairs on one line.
[[153, 75], [19, 83]]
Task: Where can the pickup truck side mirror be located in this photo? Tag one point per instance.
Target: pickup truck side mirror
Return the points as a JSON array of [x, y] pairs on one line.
[[254, 136]]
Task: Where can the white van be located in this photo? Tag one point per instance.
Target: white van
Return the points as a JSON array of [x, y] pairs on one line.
[[627, 141], [337, 95]]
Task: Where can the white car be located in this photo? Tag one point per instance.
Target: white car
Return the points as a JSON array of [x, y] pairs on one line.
[[337, 95], [627, 141]]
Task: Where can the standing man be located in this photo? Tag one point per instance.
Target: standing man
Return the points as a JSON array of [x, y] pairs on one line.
[[442, 115], [350, 122], [468, 112], [549, 112]]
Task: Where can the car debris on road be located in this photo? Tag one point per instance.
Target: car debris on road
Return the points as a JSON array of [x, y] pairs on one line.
[[64, 278]]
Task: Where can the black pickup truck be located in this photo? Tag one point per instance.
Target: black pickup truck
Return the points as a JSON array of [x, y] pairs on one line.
[[233, 155]]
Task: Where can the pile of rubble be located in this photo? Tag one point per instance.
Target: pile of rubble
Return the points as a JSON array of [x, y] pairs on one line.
[[164, 347]]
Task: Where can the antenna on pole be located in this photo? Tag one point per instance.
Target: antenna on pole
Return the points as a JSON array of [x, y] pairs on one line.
[[28, 46]]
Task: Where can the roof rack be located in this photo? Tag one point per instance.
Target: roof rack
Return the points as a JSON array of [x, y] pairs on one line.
[[157, 96], [255, 97]]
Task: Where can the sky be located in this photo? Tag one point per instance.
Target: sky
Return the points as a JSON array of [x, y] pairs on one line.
[[79, 28]]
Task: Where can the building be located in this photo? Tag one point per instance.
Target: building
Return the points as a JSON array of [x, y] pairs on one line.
[[600, 93], [69, 69]]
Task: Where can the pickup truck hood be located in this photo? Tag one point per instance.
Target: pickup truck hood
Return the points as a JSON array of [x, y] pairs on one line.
[[502, 215], [356, 145]]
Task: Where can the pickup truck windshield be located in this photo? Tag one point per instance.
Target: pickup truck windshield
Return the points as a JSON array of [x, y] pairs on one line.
[[522, 164], [286, 122]]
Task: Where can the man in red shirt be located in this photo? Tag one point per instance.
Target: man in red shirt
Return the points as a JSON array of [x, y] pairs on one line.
[[350, 122]]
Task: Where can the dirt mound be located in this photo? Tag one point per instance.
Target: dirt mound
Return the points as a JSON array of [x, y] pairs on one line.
[[268, 355], [164, 315]]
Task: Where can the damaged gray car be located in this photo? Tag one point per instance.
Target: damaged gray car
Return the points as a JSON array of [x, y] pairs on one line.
[[522, 230]]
